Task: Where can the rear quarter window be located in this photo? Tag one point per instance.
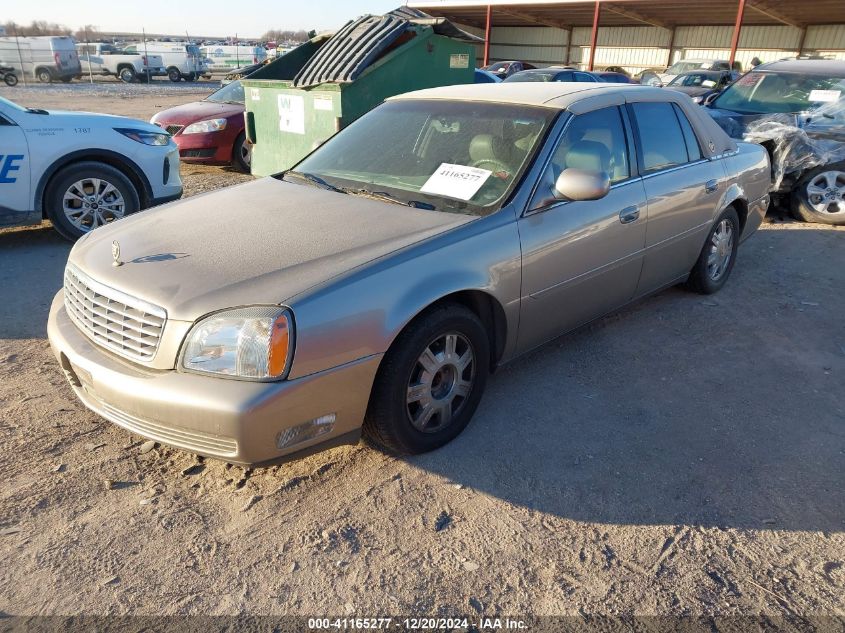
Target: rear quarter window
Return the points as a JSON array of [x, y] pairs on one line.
[[662, 143]]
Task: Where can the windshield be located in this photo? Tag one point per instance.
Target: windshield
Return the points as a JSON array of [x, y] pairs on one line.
[[534, 75], [497, 66], [462, 156], [682, 67], [766, 92], [193, 50], [695, 80], [230, 93]]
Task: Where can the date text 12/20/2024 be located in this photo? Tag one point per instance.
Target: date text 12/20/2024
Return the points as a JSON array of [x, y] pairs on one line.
[[417, 624]]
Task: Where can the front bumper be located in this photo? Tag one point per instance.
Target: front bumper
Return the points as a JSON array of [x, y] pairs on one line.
[[232, 420], [210, 148]]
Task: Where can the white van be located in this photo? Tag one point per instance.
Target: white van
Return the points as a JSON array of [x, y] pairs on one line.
[[45, 58], [226, 58], [181, 59]]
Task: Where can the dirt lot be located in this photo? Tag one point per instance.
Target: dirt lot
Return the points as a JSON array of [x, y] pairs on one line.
[[683, 457]]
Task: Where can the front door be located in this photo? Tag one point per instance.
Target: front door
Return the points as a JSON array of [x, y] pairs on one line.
[[582, 259], [15, 186]]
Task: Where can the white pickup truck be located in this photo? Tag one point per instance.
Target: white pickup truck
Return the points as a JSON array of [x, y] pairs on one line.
[[105, 59]]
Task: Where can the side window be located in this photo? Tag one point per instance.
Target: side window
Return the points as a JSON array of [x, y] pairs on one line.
[[693, 148], [662, 143], [564, 77], [584, 77], [594, 141]]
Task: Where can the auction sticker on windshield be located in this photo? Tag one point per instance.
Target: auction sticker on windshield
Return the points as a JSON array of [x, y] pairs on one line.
[[824, 96], [456, 181]]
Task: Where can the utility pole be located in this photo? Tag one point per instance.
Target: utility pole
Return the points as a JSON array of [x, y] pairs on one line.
[[146, 58], [88, 48], [20, 57]]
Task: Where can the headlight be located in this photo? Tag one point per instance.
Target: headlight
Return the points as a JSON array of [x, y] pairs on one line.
[[252, 343], [211, 125], [144, 136]]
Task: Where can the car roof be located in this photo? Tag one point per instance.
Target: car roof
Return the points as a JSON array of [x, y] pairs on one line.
[[552, 94], [822, 66]]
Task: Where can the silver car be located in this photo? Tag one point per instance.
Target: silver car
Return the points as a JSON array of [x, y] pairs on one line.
[[378, 283]]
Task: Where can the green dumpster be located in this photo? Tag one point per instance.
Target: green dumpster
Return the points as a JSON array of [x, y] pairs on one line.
[[301, 99]]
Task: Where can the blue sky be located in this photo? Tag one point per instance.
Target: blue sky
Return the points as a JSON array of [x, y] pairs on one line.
[[207, 17]]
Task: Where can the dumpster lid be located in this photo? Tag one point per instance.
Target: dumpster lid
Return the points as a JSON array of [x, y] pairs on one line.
[[360, 42]]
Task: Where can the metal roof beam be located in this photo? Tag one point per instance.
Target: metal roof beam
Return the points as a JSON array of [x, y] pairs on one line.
[[533, 18], [635, 15], [774, 14]]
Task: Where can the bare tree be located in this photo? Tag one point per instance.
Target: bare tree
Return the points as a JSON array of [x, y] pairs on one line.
[[87, 32], [37, 27], [277, 35]]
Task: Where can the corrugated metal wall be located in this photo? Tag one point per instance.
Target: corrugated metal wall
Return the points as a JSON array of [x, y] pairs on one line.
[[638, 47]]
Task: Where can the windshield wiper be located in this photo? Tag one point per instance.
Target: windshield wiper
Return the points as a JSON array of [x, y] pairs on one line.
[[314, 180], [387, 197]]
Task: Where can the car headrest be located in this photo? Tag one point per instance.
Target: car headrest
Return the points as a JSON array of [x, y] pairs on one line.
[[589, 156], [488, 147]]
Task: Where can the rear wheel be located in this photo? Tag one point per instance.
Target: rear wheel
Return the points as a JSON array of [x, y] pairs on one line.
[[126, 74], [820, 195], [86, 195], [242, 153], [430, 381], [174, 75], [10, 79], [718, 255], [44, 76]]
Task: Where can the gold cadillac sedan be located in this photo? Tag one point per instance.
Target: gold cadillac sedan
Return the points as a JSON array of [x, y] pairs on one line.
[[378, 283]]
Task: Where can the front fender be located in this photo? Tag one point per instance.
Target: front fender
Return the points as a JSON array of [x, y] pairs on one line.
[[361, 313]]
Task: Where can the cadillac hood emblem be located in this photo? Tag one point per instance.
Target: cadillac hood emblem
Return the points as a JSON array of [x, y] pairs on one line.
[[115, 253]]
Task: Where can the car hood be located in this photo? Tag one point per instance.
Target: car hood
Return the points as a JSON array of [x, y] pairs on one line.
[[92, 119], [197, 111], [262, 242]]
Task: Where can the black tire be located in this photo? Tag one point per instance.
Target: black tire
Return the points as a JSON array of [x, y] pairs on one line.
[[174, 75], [703, 279], [191, 77], [10, 79], [66, 80], [67, 176], [143, 78], [388, 422], [802, 202], [44, 75], [126, 74], [241, 162]]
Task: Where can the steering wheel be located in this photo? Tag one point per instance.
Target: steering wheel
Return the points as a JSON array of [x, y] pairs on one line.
[[492, 164]]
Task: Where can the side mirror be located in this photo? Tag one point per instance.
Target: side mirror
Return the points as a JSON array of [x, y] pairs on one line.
[[580, 184], [710, 98]]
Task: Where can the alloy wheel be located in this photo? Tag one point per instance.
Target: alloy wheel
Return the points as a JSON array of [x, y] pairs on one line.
[[92, 202], [721, 249], [826, 193], [440, 382]]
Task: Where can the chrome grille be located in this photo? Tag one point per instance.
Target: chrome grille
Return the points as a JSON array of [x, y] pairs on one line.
[[126, 325], [172, 129]]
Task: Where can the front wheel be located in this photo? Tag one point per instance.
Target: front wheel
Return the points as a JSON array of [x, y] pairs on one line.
[[86, 195], [718, 255], [126, 75], [820, 195], [174, 75], [430, 381], [10, 79], [242, 153]]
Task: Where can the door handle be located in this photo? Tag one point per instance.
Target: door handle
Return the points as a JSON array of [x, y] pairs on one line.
[[629, 214], [711, 185]]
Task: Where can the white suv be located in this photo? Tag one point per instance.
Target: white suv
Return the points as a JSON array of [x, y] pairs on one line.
[[81, 170]]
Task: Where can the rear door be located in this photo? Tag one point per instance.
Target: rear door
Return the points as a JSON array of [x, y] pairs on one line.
[[683, 190], [582, 259]]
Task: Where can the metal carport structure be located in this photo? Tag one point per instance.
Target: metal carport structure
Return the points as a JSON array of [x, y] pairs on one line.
[[666, 17]]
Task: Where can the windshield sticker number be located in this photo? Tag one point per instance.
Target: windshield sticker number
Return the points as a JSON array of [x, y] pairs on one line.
[[456, 181], [292, 114], [824, 96]]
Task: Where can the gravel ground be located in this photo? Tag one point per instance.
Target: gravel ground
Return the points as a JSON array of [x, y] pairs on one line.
[[683, 457]]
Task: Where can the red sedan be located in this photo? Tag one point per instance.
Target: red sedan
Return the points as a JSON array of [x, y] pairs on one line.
[[211, 131]]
